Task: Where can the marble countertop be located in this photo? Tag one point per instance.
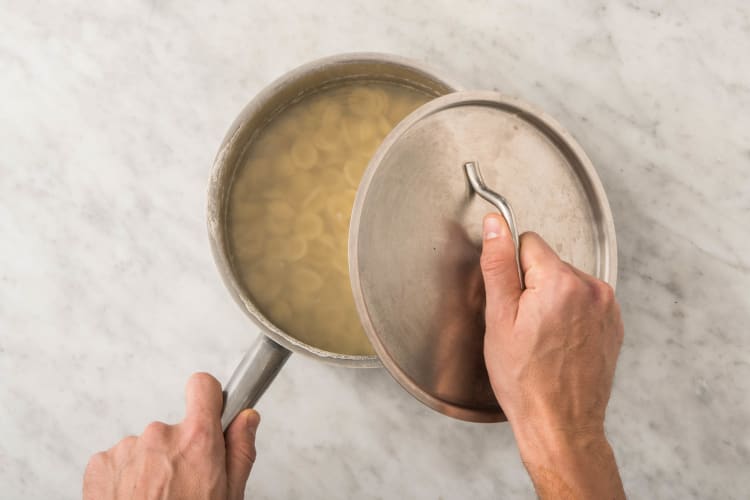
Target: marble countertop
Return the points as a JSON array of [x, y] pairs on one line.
[[111, 114]]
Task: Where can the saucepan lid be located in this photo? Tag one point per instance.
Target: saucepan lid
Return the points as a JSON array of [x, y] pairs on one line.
[[415, 235]]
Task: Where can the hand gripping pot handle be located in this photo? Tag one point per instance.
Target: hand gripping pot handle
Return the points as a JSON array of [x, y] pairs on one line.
[[251, 378]]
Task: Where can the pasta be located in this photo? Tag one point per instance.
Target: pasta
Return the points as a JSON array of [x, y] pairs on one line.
[[308, 225], [290, 204], [304, 154], [295, 247]]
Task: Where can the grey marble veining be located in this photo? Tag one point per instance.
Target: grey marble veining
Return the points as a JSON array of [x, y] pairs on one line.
[[111, 113]]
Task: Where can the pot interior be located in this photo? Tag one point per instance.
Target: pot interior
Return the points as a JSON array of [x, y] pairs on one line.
[[270, 244]]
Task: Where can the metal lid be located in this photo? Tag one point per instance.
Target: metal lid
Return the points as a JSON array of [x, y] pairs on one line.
[[415, 235]]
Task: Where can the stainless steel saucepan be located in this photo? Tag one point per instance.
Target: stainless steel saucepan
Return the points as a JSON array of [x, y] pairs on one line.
[[265, 358]]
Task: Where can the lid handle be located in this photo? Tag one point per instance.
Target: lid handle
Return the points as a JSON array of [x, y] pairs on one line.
[[502, 205]]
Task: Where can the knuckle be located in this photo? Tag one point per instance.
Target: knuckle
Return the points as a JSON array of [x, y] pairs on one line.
[[97, 461], [528, 237], [605, 292], [200, 435], [567, 282], [155, 432], [247, 454], [126, 443], [493, 262]]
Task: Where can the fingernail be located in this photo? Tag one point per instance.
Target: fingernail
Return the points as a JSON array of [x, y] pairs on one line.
[[493, 227]]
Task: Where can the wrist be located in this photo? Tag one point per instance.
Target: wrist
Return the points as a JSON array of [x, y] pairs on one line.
[[568, 463], [542, 441]]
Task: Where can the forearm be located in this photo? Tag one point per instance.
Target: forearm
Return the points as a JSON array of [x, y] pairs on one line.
[[570, 466]]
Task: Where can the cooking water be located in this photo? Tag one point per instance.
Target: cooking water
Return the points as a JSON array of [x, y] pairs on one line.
[[290, 205]]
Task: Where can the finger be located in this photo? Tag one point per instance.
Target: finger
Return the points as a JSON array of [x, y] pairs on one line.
[[155, 436], [498, 261], [121, 451], [536, 258], [98, 479], [600, 290], [203, 400], [240, 442]]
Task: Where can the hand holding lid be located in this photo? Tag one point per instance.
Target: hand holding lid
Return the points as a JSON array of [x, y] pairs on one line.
[[415, 237]]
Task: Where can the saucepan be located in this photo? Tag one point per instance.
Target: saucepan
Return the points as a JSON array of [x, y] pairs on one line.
[[415, 235], [272, 348]]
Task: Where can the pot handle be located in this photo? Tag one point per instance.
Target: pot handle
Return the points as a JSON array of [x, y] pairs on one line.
[[251, 378], [502, 205]]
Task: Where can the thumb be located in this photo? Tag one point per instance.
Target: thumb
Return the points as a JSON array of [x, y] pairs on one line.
[[499, 270], [240, 443]]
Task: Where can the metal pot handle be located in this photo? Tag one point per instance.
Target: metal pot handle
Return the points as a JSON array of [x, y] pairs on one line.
[[502, 205], [251, 378]]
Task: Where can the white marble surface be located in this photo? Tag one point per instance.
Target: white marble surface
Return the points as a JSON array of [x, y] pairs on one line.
[[111, 113]]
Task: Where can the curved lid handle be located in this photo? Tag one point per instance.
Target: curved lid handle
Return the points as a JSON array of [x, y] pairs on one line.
[[502, 205]]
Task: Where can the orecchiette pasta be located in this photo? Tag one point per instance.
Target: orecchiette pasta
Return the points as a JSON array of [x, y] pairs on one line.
[[290, 206], [285, 168], [307, 280], [295, 247], [304, 153], [308, 225]]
